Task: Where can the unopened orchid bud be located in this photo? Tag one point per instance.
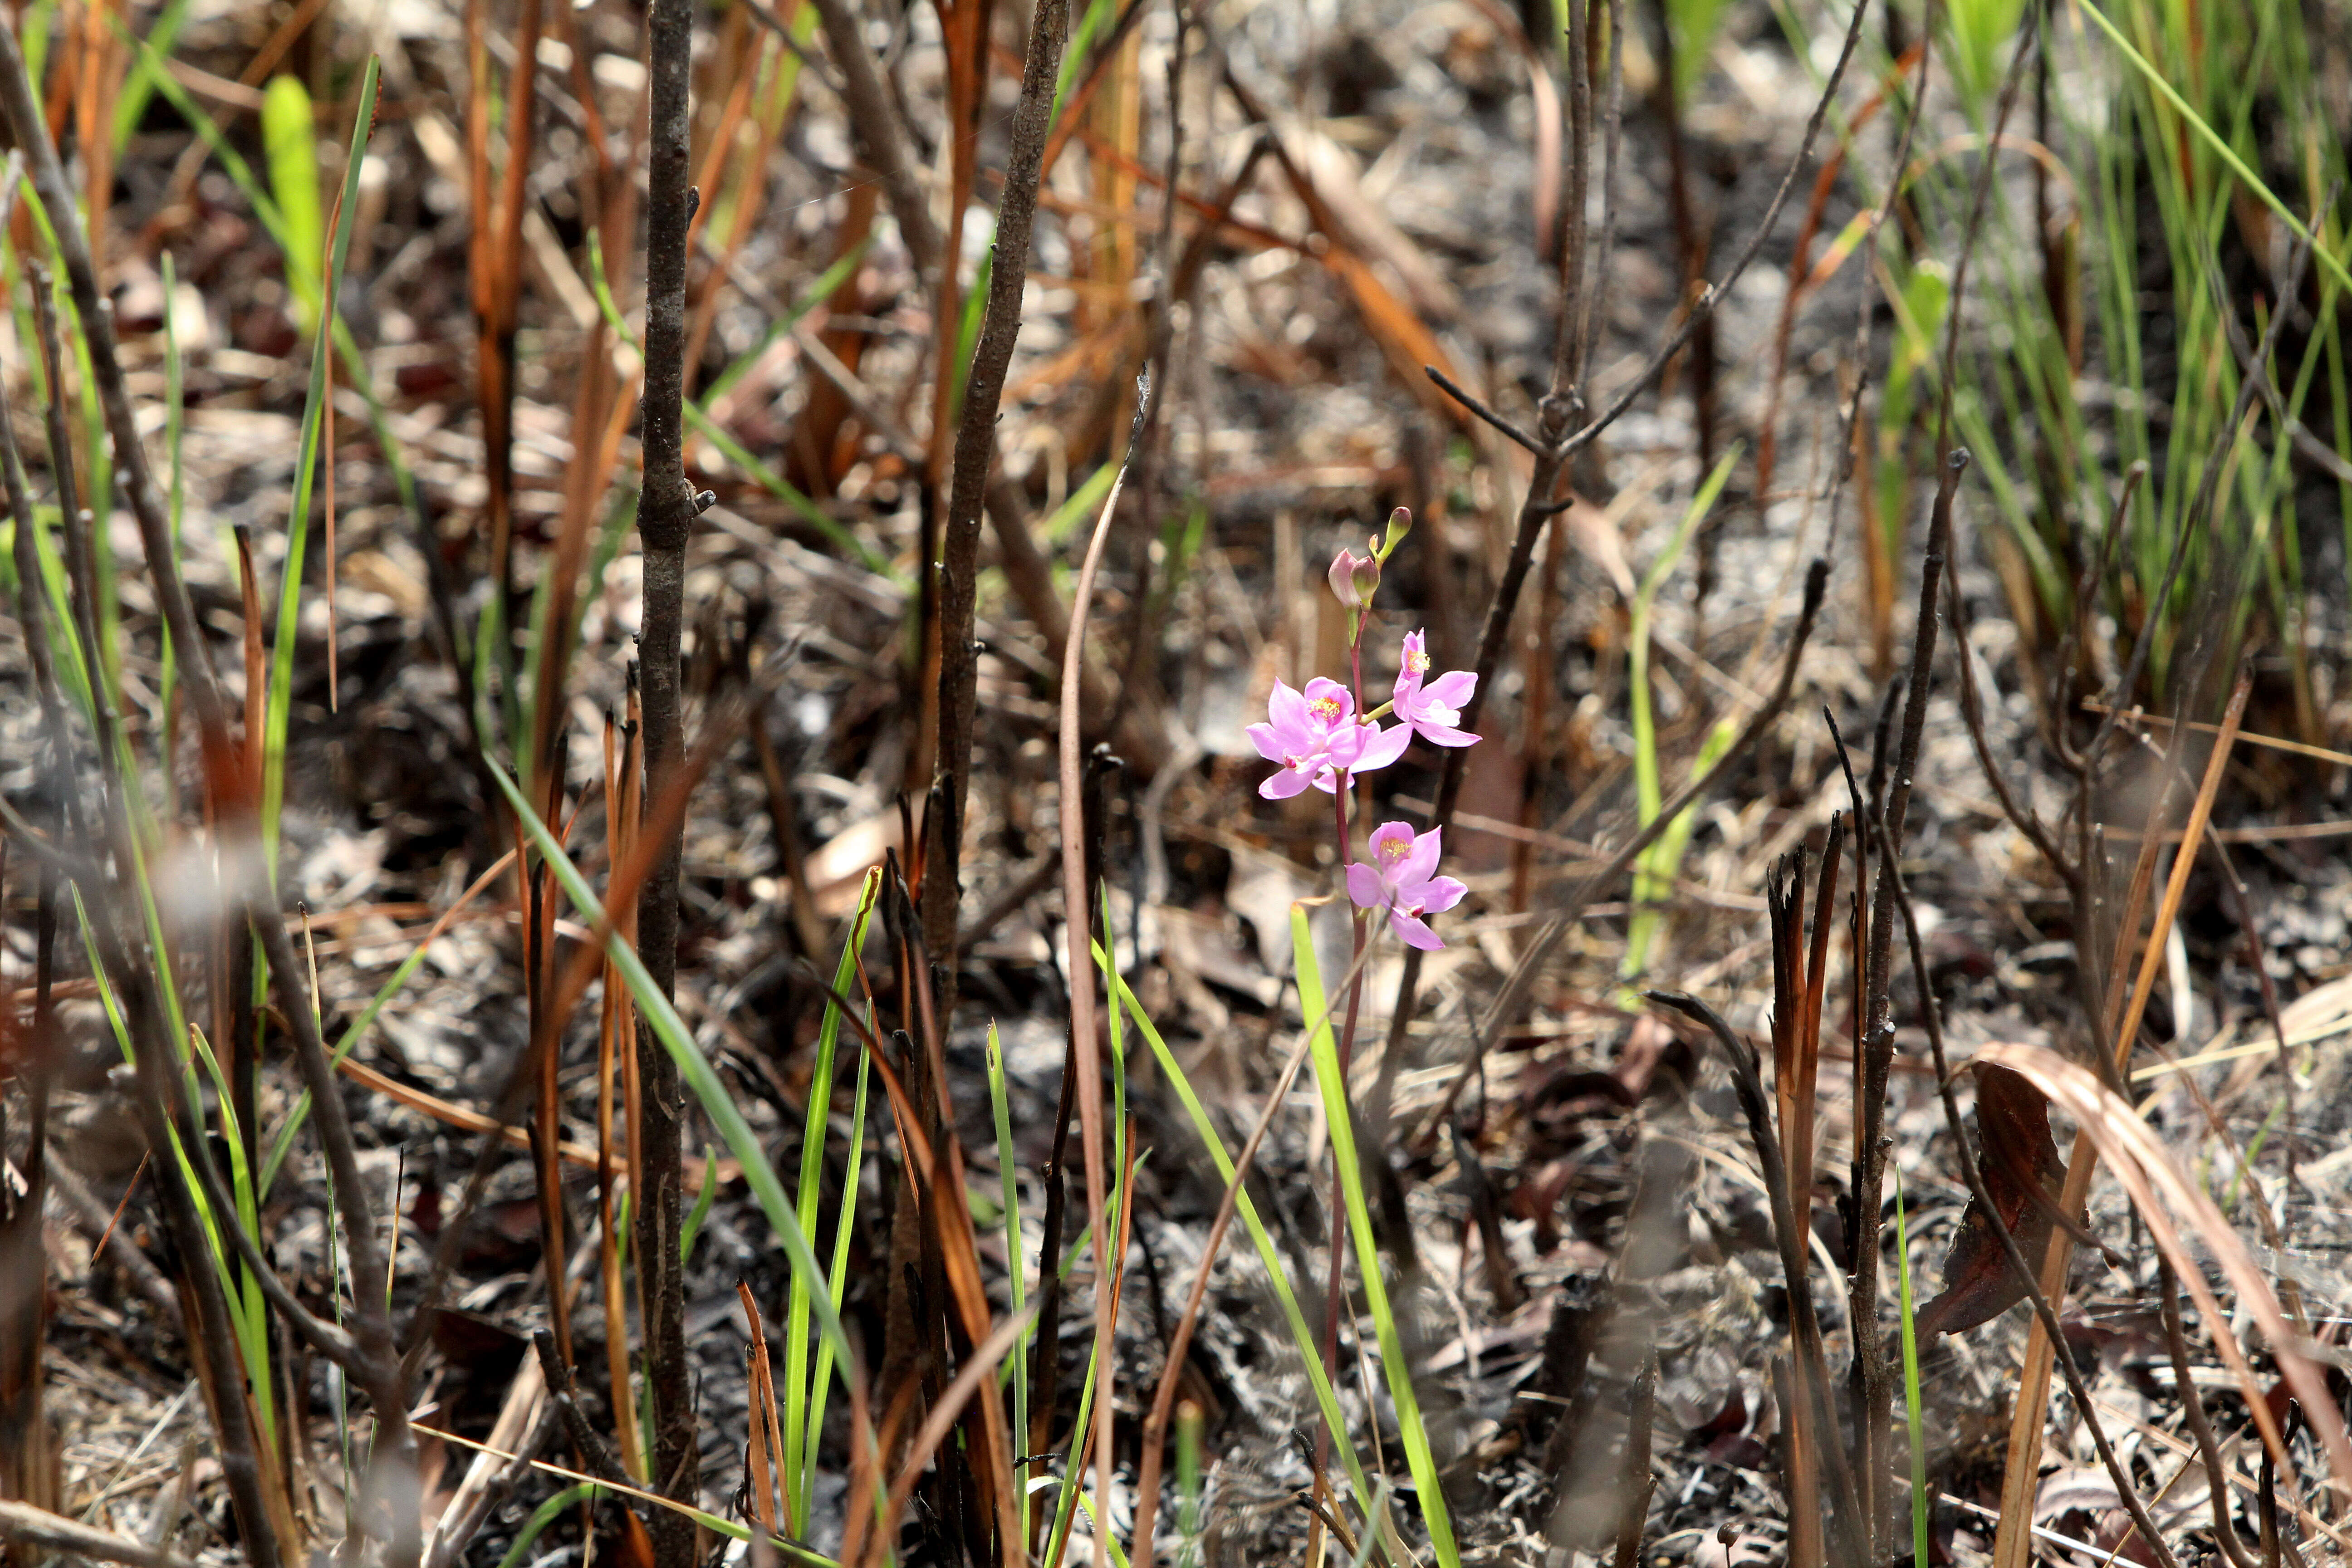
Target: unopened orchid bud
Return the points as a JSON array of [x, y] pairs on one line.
[[1355, 578], [1400, 524]]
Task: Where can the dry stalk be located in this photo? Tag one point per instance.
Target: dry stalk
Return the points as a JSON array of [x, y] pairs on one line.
[[975, 450], [1557, 439]]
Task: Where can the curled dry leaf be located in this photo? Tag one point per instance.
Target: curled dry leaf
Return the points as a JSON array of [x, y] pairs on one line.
[[2166, 1198], [2017, 1157]]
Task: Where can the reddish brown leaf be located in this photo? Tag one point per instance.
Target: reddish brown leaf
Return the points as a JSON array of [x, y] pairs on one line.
[[2016, 1155]]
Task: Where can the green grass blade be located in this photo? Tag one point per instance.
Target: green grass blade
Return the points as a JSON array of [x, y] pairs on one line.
[[800, 1436], [139, 85], [2222, 149], [542, 1516], [1303, 1338], [843, 1230], [693, 1066], [289, 140], [1911, 1384], [1395, 1369], [298, 521], [1016, 1266]]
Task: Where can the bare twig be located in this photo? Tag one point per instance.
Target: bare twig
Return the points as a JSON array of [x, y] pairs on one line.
[[1637, 1481], [1559, 407], [1479, 406], [1891, 881], [881, 139], [1714, 292], [1792, 1233], [975, 451], [666, 507], [2192, 1412], [585, 1437], [1538, 953], [37, 1527], [1874, 1391]]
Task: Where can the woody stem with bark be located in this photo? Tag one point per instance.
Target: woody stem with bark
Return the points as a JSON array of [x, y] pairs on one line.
[[975, 449], [665, 512]]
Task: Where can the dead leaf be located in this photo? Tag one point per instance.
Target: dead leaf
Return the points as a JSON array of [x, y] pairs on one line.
[[2014, 1149]]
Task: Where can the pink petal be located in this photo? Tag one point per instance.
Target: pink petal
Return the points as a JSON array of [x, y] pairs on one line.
[[1443, 734], [1282, 784], [1286, 707], [1420, 862], [1364, 887], [1268, 741], [1391, 833], [1453, 689], [1438, 894], [1413, 932], [1381, 745]]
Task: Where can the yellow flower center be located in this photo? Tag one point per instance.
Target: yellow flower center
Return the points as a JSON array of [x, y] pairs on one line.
[[1394, 849], [1326, 709], [1416, 662]]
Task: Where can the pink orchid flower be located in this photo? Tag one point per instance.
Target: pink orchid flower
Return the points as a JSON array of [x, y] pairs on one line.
[[1315, 736], [1400, 877], [1432, 712]]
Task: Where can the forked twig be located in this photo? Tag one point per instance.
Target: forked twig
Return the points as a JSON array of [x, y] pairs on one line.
[[1891, 880], [1521, 980]]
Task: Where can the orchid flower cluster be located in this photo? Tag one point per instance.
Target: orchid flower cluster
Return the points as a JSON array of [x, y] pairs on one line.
[[1321, 737]]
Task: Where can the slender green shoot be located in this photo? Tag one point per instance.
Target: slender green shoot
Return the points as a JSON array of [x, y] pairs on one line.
[[1016, 1266], [654, 1007], [1911, 1383], [702, 1201], [1302, 1337], [542, 1516], [1396, 1369], [1655, 874], [289, 139], [315, 422], [1189, 1486], [803, 1414]]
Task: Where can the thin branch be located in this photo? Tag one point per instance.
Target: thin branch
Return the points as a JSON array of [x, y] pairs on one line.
[[1788, 1232], [1521, 980], [1891, 879], [666, 507], [882, 140], [1479, 406], [585, 1437], [2192, 1413], [1712, 295], [47, 1531], [975, 451]]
